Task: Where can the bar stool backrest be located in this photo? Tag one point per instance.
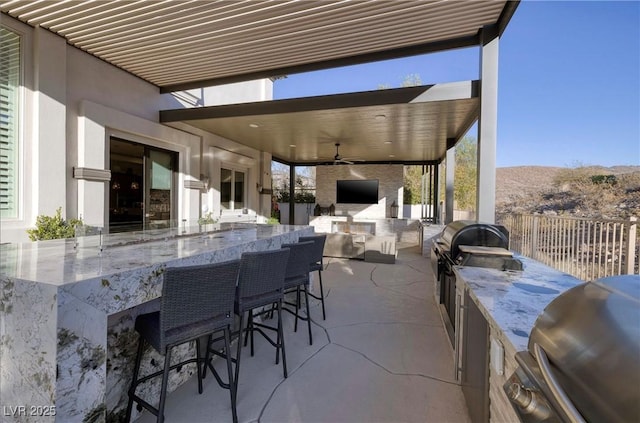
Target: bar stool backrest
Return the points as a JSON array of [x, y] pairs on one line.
[[262, 273], [299, 259], [318, 248], [195, 294]]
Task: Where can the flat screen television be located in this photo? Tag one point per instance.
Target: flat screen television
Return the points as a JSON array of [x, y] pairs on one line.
[[357, 191]]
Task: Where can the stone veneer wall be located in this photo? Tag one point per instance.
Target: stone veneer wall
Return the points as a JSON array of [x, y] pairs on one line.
[[390, 189]]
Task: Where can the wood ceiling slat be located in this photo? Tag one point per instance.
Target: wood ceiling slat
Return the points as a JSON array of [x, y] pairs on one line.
[[314, 49], [31, 9], [183, 21], [81, 11], [130, 28], [358, 35], [288, 33], [103, 14], [248, 28], [354, 34], [177, 42]]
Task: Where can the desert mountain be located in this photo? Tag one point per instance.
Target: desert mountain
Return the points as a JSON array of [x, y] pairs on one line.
[[593, 191]]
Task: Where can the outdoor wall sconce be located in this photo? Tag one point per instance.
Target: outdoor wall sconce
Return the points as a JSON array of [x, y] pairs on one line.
[[394, 210]]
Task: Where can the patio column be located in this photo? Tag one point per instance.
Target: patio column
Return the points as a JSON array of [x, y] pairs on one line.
[[49, 167], [292, 191], [487, 125], [435, 189], [449, 180]]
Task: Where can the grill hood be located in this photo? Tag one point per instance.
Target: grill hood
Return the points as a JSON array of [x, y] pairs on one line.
[[591, 336], [469, 232]]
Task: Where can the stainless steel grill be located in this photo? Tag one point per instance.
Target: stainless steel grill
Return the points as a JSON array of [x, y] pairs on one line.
[[468, 243], [583, 358]]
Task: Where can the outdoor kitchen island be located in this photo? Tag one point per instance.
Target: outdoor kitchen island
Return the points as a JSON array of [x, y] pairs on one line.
[[496, 311], [68, 310]]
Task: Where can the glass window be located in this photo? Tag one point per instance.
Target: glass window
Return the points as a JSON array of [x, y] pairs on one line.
[[238, 192], [161, 171], [232, 189], [225, 189], [9, 121]]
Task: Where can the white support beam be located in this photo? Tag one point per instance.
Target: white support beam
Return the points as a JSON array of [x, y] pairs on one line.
[[487, 126]]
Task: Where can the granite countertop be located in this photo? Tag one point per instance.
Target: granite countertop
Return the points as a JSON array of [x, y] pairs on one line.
[[513, 300], [59, 262]]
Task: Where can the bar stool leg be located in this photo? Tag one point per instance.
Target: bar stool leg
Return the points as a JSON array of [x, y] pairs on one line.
[[324, 313], [251, 334], [280, 341], [198, 361], [232, 383], [306, 301], [163, 388], [134, 382], [207, 357], [249, 321], [238, 354], [295, 325]]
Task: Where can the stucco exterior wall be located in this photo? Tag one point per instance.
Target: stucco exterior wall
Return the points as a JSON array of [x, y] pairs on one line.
[[74, 102]]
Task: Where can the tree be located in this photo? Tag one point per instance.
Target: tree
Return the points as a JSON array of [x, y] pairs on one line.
[[304, 183], [465, 175], [412, 184], [410, 80]]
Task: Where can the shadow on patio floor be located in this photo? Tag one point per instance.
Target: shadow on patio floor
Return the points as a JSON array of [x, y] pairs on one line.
[[382, 355]]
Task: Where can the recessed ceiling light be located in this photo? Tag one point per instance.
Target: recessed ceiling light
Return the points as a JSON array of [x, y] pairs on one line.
[[292, 145], [391, 155], [387, 142], [254, 125], [381, 117]]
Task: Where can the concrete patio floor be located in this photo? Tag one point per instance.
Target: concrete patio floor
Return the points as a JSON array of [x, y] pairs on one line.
[[381, 355]]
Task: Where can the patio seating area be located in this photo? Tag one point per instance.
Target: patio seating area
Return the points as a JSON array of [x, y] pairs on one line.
[[381, 355]]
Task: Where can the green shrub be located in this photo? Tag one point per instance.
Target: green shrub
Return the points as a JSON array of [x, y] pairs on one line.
[[53, 227], [207, 219], [300, 197], [604, 179]]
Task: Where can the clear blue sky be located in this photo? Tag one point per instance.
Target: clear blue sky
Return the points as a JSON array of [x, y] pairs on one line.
[[569, 83]]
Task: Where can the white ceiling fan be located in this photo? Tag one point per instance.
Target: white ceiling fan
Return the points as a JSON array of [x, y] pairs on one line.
[[337, 159]]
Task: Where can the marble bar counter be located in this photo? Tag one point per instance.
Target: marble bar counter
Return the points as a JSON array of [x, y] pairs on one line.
[[510, 301], [63, 304]]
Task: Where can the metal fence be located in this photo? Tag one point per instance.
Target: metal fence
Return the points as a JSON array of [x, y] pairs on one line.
[[588, 249]]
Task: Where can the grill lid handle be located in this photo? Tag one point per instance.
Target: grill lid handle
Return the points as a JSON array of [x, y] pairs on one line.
[[561, 397]]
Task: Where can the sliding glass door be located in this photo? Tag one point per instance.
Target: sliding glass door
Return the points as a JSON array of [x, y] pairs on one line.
[[159, 204], [142, 186]]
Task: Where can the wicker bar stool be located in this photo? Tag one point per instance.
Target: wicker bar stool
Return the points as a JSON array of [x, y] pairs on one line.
[[260, 284], [196, 301], [296, 277], [317, 264]]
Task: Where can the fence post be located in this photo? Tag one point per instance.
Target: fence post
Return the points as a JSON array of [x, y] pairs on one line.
[[631, 245], [534, 238]]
